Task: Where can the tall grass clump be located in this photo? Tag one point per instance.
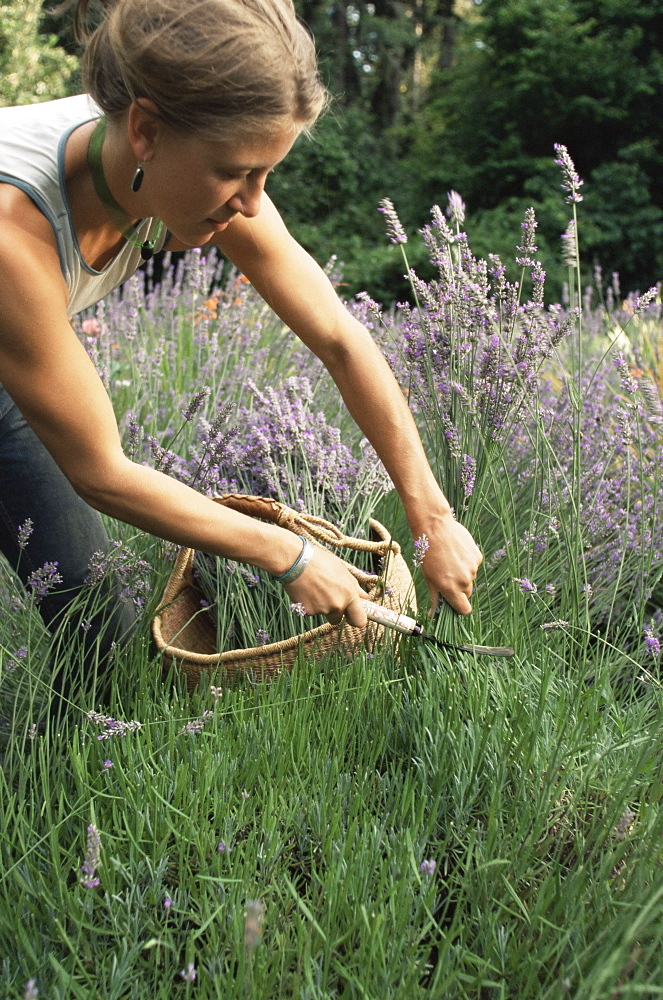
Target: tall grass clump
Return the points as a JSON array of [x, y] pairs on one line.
[[403, 825]]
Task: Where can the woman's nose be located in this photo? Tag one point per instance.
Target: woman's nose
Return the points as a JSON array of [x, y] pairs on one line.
[[246, 200]]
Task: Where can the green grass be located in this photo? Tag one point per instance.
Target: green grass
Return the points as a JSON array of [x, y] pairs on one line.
[[329, 788]]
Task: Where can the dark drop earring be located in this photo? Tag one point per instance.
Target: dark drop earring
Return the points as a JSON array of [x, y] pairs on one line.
[[137, 179]]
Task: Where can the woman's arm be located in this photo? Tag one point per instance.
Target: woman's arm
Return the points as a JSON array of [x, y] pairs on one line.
[[49, 375], [298, 290]]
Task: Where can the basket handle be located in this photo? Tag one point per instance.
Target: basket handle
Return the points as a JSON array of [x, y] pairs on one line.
[[312, 527]]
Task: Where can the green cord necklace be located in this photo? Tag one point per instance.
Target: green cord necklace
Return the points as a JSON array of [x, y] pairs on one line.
[[118, 216]]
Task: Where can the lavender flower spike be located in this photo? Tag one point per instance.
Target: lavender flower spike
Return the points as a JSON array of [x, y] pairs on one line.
[[552, 626], [652, 643], [31, 991], [421, 547], [526, 585], [528, 247], [571, 181], [455, 208], [114, 727], [92, 858], [44, 579], [196, 402], [395, 230], [24, 532], [196, 725]]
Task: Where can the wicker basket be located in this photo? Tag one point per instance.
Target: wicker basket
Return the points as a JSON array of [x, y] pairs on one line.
[[185, 632]]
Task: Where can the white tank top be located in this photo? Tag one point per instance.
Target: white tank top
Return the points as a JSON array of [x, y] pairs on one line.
[[32, 146]]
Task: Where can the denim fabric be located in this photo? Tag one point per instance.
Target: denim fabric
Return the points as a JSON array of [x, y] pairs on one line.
[[87, 620]]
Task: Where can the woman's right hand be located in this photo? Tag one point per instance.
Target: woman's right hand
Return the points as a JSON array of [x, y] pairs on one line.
[[326, 587]]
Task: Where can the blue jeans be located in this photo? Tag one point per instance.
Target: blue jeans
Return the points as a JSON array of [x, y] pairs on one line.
[[86, 621]]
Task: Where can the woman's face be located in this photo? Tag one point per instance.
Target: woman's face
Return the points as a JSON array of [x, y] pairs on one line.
[[198, 187]]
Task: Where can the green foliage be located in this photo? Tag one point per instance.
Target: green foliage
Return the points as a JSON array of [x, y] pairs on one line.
[[32, 65], [529, 73], [328, 190]]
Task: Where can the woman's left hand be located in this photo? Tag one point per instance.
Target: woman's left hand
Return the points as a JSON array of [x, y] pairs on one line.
[[450, 564]]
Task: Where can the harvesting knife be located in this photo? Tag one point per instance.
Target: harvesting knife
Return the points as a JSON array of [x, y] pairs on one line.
[[402, 623]]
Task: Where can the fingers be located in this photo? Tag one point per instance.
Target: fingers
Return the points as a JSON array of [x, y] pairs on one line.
[[459, 601], [354, 613], [460, 604]]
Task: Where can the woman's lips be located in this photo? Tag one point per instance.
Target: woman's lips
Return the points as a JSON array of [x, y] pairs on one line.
[[217, 227]]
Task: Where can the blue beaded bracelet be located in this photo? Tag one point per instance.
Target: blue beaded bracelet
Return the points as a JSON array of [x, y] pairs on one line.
[[300, 563]]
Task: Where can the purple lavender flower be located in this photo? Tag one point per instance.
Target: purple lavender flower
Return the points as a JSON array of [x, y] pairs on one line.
[[570, 180], [468, 474], [223, 848], [527, 248], [628, 383], [24, 532], [31, 991], [21, 653], [552, 626], [395, 230], [298, 609], [167, 903], [113, 727], [107, 765], [134, 435], [642, 301], [262, 637], [455, 208], [44, 579], [196, 725], [421, 546], [92, 858], [196, 402], [526, 585], [131, 572], [652, 643], [427, 866]]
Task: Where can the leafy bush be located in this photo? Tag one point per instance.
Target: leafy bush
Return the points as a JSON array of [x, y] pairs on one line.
[[32, 66]]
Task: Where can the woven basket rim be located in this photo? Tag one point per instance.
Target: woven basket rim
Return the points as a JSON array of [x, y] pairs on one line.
[[182, 574]]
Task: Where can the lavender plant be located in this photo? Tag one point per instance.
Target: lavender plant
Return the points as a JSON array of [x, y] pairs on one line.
[[546, 440]]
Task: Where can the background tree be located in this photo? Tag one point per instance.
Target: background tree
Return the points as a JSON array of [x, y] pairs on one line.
[[376, 58], [529, 73], [33, 67]]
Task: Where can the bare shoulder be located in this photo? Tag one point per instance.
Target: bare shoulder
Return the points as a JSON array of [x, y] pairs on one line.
[[29, 263], [20, 212], [33, 292]]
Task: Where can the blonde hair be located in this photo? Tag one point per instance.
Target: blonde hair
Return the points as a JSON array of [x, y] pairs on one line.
[[215, 68]]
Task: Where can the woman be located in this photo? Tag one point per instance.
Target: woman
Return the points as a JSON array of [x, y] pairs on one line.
[[193, 103]]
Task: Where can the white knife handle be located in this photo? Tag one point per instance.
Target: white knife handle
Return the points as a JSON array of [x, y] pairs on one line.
[[390, 618]]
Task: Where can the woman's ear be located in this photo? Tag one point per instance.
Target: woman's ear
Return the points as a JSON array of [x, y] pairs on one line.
[[144, 128]]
